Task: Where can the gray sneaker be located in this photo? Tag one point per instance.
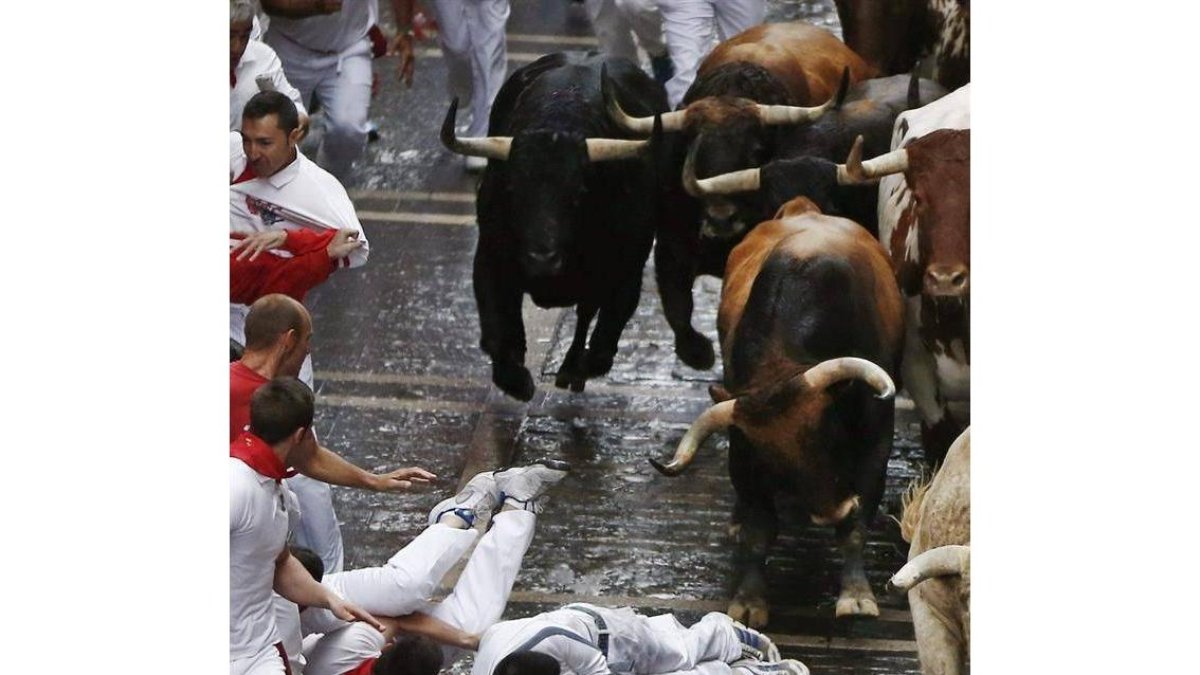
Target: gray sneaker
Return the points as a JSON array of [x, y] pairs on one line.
[[756, 667], [524, 484], [477, 498]]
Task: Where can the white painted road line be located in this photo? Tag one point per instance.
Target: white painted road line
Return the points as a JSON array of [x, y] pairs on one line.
[[416, 218], [410, 195]]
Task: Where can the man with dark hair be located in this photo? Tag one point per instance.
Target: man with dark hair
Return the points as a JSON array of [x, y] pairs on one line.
[[404, 585], [253, 66], [274, 187], [585, 639], [278, 330], [259, 561]]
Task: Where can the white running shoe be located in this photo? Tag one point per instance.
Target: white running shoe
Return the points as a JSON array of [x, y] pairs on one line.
[[476, 164], [755, 645], [756, 667], [477, 498], [523, 485]]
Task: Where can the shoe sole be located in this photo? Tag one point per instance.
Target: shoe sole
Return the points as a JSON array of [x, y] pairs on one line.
[[555, 464]]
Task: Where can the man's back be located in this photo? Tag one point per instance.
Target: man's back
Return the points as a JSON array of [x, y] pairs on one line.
[[567, 635], [258, 522]]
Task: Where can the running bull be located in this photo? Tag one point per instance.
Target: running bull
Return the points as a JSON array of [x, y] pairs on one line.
[[811, 325], [937, 577], [925, 223], [806, 165], [746, 92], [892, 35], [566, 211]]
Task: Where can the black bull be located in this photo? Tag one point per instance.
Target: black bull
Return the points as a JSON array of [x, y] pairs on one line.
[[556, 224]]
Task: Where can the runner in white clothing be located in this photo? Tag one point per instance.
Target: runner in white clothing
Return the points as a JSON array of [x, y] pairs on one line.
[[406, 583], [693, 27], [253, 66], [274, 186]]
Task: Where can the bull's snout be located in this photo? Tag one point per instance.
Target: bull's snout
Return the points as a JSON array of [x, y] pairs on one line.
[[543, 263], [720, 221], [947, 281]]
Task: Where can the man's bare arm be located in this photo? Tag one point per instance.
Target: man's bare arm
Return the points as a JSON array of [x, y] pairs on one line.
[[328, 466], [294, 582], [437, 630]]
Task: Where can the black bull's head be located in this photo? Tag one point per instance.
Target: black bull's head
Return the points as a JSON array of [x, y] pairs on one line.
[[546, 174]]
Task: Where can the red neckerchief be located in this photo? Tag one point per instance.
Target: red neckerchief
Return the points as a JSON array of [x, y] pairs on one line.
[[247, 174], [363, 668], [257, 455]]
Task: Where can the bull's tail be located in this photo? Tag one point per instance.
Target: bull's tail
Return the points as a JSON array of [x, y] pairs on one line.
[[910, 504]]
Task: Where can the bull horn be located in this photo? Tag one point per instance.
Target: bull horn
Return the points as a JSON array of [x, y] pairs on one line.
[[772, 115], [746, 180], [856, 171], [492, 147], [672, 121], [611, 149], [827, 373], [936, 562], [718, 417]]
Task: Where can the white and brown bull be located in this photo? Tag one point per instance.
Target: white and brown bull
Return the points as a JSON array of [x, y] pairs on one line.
[[925, 223], [937, 522], [811, 326]]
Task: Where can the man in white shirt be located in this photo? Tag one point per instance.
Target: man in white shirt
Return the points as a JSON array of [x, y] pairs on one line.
[[326, 51], [617, 22], [259, 562], [406, 583], [253, 66], [274, 186], [590, 640]]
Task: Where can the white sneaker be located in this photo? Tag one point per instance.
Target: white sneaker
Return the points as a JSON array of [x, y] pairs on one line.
[[477, 498], [756, 667], [476, 164], [523, 485], [755, 645]]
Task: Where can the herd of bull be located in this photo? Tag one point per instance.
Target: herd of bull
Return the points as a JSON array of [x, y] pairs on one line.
[[835, 205]]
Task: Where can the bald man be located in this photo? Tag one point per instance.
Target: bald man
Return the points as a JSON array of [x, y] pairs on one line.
[[278, 330]]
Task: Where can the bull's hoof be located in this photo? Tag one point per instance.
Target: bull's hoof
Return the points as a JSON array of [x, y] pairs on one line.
[[937, 439], [752, 612], [695, 350], [514, 381], [598, 364], [850, 604]]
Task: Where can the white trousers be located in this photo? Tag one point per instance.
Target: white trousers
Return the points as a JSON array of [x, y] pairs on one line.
[[482, 591], [617, 22], [342, 82], [689, 29], [472, 36], [317, 528], [660, 644]]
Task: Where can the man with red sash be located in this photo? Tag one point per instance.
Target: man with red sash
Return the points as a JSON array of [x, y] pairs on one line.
[[281, 414], [278, 329]]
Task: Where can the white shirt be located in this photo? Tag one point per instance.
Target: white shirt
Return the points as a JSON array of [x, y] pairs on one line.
[[299, 195], [258, 527], [343, 650], [329, 33], [566, 635], [259, 62]]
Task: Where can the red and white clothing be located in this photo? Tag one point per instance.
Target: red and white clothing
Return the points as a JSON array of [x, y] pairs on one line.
[[308, 266], [330, 56], [314, 524], [298, 196], [259, 70], [258, 527], [636, 644], [405, 584]]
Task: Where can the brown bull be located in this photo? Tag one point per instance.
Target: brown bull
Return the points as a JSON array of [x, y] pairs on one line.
[[811, 324], [938, 575]]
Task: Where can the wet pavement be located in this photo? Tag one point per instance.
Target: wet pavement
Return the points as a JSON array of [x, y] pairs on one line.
[[401, 381]]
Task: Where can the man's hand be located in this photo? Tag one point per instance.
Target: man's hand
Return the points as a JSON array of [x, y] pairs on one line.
[[347, 611], [256, 242], [402, 45], [343, 243], [401, 479]]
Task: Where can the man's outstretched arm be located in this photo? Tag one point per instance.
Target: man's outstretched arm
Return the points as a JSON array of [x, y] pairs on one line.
[[294, 582], [437, 630], [328, 466]]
